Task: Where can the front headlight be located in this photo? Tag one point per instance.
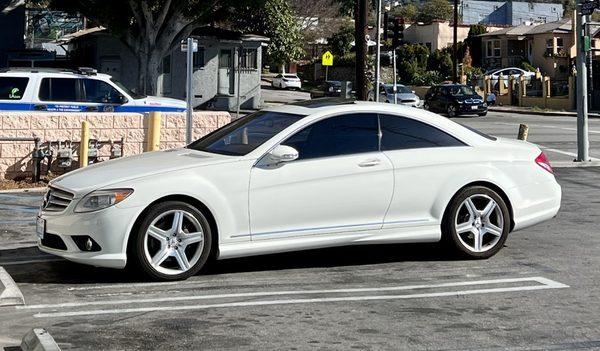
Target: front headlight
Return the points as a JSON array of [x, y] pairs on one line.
[[101, 199], [484, 104]]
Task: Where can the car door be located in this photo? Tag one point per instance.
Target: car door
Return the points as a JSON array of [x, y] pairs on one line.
[[424, 158], [100, 96], [341, 182]]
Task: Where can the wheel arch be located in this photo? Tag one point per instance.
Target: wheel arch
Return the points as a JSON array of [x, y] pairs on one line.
[[191, 201], [491, 186]]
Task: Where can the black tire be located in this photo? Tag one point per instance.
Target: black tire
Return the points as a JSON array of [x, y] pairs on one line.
[[426, 107], [137, 255], [452, 110], [450, 235], [482, 114]]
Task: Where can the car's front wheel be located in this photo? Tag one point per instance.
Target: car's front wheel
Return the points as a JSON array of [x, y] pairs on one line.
[[426, 106], [172, 242], [452, 110], [477, 222]]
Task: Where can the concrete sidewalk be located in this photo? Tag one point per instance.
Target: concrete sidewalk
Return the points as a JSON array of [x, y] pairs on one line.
[[531, 111]]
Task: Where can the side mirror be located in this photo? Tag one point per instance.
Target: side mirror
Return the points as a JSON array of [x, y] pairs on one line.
[[121, 99], [282, 153]]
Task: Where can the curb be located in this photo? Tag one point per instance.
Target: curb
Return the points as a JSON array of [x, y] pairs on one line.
[[541, 113], [38, 339], [11, 296], [24, 190], [573, 164]]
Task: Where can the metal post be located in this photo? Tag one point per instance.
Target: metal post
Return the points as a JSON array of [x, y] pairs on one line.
[[582, 106], [326, 71], [454, 44], [189, 90], [395, 79], [378, 59], [361, 48], [239, 78], [590, 64]]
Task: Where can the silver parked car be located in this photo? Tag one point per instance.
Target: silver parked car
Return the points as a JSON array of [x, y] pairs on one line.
[[404, 95]]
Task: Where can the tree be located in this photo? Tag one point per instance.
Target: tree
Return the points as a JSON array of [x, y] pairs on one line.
[[275, 19], [435, 10], [473, 41], [440, 61], [340, 43], [409, 12], [150, 28]]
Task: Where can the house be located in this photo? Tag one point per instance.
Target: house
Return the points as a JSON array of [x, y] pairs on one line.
[[226, 60], [12, 27], [509, 12], [436, 35], [548, 46]]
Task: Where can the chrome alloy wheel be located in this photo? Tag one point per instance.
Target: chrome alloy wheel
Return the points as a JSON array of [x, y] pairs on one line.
[[173, 242], [479, 223]]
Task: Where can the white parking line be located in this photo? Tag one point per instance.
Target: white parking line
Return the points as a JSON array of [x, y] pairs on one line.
[[544, 284]]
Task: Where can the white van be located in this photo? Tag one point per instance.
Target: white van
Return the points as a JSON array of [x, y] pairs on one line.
[[84, 90]]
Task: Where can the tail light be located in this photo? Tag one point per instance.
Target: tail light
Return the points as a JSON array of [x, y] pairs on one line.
[[543, 162]]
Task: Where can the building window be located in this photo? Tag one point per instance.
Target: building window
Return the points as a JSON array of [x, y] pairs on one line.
[[166, 64], [549, 47], [225, 58], [559, 44], [493, 48], [249, 59], [199, 58]]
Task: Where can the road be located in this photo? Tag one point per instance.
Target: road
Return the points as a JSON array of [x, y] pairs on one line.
[[540, 292]]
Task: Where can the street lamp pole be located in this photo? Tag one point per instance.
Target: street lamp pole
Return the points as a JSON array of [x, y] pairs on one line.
[[378, 59], [454, 44], [583, 143]]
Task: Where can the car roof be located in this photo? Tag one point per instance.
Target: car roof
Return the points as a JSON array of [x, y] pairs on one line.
[[54, 72]]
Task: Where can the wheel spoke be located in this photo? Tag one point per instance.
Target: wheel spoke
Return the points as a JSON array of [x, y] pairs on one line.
[[489, 209], [471, 208], [182, 259], [191, 238], [493, 229], [477, 239], [177, 222], [158, 233], [161, 256], [464, 228]]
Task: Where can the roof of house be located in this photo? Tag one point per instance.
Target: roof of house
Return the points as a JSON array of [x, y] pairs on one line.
[[562, 26], [226, 34]]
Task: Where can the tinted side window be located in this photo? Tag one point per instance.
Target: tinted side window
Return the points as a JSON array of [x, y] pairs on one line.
[[12, 88], [58, 89], [99, 91], [334, 136], [400, 133]]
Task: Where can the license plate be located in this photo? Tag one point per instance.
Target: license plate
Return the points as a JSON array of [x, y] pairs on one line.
[[474, 107], [40, 227]]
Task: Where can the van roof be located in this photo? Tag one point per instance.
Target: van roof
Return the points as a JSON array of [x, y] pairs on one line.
[[83, 71]]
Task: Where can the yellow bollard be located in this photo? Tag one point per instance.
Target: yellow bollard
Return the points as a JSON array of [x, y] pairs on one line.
[[523, 132], [84, 144], [154, 131]]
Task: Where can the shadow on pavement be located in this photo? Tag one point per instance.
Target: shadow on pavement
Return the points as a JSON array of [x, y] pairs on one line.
[[66, 272]]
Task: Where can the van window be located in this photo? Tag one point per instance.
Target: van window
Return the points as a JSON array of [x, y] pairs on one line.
[[100, 92], [12, 88], [58, 89]]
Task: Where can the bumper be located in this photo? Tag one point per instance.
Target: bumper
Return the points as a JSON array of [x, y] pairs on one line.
[[467, 109], [417, 104], [292, 85], [535, 203], [109, 228]]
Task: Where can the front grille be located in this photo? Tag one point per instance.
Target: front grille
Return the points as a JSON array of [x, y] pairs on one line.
[[53, 241], [56, 200], [408, 101], [473, 101]]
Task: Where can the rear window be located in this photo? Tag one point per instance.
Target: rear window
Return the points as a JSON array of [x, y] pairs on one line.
[[58, 89], [12, 88], [290, 76], [480, 133]]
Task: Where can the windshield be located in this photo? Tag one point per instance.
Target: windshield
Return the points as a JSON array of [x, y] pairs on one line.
[[401, 89], [127, 90], [460, 90], [245, 134]]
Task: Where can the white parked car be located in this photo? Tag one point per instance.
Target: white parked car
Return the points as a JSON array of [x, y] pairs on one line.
[[83, 90], [506, 73], [315, 174], [286, 81]]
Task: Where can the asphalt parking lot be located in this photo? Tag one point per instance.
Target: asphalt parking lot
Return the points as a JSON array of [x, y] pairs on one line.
[[539, 293]]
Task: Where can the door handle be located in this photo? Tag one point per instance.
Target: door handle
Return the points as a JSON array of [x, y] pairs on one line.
[[370, 163], [39, 107]]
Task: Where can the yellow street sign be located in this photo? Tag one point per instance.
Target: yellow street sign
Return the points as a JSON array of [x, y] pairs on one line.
[[327, 59]]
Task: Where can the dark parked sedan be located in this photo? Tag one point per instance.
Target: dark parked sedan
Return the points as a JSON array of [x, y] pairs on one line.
[[454, 100]]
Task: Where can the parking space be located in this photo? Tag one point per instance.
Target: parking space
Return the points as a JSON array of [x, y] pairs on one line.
[[539, 292]]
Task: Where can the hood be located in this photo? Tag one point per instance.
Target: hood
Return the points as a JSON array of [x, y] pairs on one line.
[[162, 101], [468, 97], [103, 174], [406, 96]]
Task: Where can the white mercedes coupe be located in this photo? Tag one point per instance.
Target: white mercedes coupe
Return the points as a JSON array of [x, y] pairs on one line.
[[314, 174]]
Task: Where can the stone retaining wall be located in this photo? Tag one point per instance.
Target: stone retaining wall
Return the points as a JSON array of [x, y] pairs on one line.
[[15, 157]]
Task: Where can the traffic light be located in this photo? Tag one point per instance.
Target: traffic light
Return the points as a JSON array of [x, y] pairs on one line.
[[393, 28]]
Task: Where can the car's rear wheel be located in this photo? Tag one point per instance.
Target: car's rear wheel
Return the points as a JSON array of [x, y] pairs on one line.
[[477, 222], [426, 106], [173, 241], [452, 110], [483, 114]]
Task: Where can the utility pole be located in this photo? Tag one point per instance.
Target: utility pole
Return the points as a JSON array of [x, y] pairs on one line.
[[395, 78], [590, 63], [454, 44], [582, 96], [189, 90], [360, 32], [378, 59]]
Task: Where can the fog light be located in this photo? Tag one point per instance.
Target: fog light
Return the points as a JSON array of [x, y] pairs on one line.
[[89, 244]]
